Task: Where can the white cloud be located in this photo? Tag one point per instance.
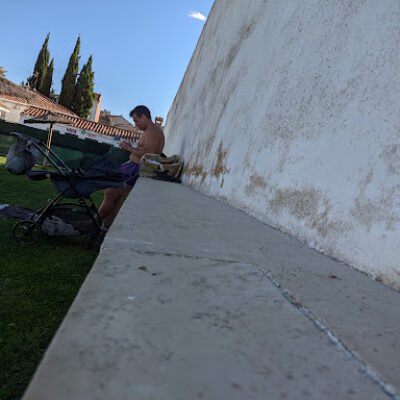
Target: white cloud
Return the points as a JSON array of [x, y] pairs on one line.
[[197, 15]]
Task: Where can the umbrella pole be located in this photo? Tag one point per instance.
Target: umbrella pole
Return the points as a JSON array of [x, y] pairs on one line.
[[48, 144]]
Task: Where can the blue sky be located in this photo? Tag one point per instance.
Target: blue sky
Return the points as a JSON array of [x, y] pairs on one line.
[[140, 48]]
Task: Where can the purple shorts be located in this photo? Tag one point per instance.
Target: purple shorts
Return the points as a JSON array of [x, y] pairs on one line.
[[130, 173]]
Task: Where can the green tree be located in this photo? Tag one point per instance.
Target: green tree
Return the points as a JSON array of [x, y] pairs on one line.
[[52, 95], [83, 97], [39, 71], [48, 79], [69, 80]]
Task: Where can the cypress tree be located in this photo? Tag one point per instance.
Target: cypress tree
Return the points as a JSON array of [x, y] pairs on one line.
[[69, 80], [39, 71], [83, 97], [48, 79], [52, 95]]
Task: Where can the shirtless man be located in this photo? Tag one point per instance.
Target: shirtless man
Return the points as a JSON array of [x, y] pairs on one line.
[[151, 141]]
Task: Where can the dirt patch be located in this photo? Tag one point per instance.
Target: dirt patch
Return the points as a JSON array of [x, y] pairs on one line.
[[369, 211], [391, 156]]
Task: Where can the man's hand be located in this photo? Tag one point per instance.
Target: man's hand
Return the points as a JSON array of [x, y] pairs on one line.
[[126, 146]]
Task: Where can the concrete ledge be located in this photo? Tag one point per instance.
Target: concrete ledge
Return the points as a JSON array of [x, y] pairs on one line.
[[190, 298]]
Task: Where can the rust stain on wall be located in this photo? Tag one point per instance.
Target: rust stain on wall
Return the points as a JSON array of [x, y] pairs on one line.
[[220, 166], [196, 167], [244, 32], [256, 181], [209, 143], [310, 206], [300, 203], [195, 170], [369, 211]]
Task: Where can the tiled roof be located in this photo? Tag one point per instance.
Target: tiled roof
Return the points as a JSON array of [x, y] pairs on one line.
[[13, 98], [84, 124], [38, 100], [118, 120], [10, 91], [44, 102]]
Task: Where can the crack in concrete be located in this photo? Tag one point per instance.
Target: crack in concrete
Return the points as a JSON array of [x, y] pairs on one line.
[[386, 387], [182, 255], [291, 298]]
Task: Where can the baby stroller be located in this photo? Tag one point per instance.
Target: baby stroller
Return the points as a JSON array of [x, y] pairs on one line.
[[81, 215]]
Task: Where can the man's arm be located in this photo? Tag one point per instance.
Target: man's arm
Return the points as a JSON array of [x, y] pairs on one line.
[[138, 151]]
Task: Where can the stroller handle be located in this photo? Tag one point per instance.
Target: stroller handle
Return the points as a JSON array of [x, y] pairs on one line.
[[39, 145], [26, 138]]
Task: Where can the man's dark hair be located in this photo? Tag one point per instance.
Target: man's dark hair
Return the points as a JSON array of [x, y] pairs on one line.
[[139, 111]]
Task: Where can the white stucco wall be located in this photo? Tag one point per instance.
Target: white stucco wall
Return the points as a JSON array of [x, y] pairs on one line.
[[290, 110], [14, 110]]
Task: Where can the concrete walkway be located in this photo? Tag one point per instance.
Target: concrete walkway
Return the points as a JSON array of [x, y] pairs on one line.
[[192, 299]]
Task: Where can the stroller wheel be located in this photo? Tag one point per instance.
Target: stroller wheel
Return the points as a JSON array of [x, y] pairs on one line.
[[26, 232]]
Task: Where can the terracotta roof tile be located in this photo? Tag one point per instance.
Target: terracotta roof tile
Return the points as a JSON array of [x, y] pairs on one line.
[[44, 102], [84, 124], [38, 100], [13, 92], [13, 98]]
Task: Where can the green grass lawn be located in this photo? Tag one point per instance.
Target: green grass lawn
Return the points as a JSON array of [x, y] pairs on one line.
[[37, 285]]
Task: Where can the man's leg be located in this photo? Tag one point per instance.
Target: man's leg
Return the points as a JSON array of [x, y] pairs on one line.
[[113, 199]]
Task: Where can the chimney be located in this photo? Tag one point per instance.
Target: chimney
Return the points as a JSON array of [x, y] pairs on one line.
[[158, 121], [95, 111]]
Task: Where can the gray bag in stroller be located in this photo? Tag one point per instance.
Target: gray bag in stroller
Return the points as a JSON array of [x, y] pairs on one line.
[[21, 157]]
